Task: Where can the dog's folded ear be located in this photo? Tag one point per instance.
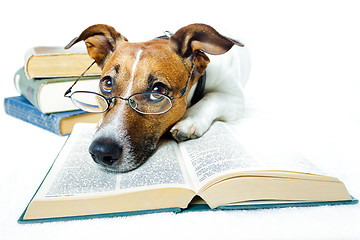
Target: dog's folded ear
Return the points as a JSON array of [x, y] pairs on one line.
[[100, 40], [194, 39]]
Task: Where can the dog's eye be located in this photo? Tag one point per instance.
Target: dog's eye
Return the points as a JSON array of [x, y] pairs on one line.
[[160, 88], [106, 84]]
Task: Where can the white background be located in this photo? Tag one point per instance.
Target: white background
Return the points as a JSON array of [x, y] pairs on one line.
[[305, 77]]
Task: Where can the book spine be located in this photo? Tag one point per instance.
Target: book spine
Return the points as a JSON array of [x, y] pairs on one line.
[[25, 111], [28, 88], [29, 53]]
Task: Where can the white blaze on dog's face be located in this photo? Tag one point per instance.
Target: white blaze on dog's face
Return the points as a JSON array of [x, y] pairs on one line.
[[136, 68], [126, 138]]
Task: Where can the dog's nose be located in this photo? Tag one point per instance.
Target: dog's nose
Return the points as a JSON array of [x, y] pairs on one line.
[[105, 151]]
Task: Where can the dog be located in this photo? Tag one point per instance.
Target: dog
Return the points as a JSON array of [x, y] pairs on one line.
[[167, 69]]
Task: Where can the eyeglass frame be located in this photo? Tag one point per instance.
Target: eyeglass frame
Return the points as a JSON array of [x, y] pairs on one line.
[[110, 100]]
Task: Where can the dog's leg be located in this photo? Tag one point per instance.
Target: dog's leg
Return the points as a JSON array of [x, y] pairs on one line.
[[224, 97], [198, 118]]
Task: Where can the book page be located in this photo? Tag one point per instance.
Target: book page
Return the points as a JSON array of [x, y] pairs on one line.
[[271, 149], [163, 167], [222, 150], [74, 173], [216, 152]]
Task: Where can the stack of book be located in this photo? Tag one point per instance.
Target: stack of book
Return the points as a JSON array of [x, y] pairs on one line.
[[47, 73]]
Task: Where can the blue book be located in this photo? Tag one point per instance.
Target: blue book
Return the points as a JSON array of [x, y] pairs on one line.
[[178, 177], [59, 123]]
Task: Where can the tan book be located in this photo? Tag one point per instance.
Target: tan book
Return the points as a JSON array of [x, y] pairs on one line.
[[217, 168], [46, 62]]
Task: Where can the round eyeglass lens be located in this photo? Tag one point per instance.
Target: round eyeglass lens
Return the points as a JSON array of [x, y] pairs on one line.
[[150, 103], [90, 102]]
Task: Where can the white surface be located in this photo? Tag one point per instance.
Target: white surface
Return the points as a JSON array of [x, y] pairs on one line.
[[305, 76]]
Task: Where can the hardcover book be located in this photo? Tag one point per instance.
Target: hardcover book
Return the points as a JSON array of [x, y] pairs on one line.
[[59, 123], [47, 62], [214, 172], [47, 94]]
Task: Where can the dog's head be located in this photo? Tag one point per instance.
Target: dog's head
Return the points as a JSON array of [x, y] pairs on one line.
[[126, 137]]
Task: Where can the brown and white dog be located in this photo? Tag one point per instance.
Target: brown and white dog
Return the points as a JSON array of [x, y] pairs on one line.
[[126, 138]]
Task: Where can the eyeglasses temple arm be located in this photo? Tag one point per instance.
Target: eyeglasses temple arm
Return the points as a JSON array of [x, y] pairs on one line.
[[69, 90], [183, 91]]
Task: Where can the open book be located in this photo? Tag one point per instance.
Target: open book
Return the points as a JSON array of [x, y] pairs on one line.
[[217, 167]]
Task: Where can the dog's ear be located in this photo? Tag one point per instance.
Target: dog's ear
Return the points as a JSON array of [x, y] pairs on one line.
[[195, 39], [100, 40]]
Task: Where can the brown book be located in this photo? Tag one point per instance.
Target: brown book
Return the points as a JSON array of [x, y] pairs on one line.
[[46, 62]]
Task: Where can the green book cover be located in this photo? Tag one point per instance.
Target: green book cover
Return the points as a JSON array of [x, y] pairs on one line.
[[47, 94]]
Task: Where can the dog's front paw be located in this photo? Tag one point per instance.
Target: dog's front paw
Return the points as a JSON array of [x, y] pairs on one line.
[[189, 129]]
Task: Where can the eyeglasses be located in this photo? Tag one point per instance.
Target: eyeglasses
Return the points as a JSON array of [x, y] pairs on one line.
[[143, 102]]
